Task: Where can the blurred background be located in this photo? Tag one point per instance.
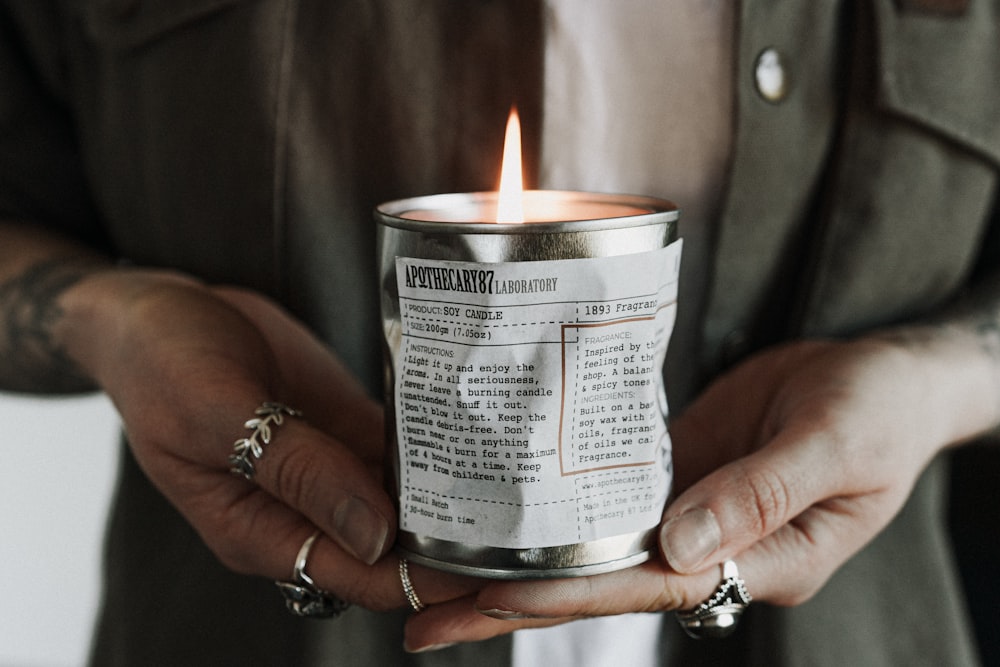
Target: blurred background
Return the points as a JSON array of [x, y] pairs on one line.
[[58, 460]]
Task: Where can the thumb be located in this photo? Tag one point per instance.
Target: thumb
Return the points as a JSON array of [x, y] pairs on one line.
[[742, 503]]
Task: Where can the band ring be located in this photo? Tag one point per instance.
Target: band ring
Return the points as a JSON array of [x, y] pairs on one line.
[[249, 449], [302, 596], [718, 615], [411, 595]]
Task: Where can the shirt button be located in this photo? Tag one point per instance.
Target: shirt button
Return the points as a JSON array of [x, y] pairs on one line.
[[770, 75]]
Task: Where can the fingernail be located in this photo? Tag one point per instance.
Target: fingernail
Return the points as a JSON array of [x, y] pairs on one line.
[[428, 649], [505, 614], [687, 540], [361, 529]]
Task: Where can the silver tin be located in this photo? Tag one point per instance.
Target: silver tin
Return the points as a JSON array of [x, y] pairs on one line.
[[402, 234]]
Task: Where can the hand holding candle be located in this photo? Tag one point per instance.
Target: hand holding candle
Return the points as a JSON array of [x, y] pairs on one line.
[[788, 464]]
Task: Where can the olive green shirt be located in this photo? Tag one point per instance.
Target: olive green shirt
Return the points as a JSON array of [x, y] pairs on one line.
[[247, 141]]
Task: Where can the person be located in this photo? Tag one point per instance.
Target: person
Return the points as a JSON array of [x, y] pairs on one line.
[[186, 194]]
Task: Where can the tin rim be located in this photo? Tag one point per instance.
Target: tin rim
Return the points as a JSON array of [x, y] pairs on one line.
[[393, 213], [487, 570]]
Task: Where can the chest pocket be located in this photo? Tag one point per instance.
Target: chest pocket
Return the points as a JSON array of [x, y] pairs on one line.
[[911, 193]]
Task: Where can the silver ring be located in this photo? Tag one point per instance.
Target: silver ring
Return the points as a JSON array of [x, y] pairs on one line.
[[302, 596], [411, 595], [717, 616], [247, 450]]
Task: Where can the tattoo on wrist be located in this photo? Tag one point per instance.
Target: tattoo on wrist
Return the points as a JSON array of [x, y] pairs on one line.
[[31, 359]]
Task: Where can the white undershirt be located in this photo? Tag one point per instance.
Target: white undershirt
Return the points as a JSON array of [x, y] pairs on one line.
[[638, 99]]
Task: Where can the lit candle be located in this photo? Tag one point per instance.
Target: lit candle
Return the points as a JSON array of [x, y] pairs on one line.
[[525, 333]]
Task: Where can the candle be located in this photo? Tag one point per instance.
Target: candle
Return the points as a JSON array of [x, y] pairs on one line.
[[525, 334]]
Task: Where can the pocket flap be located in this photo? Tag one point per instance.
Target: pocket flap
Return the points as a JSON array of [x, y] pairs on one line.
[[944, 71]]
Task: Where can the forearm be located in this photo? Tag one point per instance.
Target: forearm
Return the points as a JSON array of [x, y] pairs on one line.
[[37, 268], [62, 305]]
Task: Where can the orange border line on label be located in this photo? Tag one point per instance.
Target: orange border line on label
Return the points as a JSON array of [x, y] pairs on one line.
[[562, 407]]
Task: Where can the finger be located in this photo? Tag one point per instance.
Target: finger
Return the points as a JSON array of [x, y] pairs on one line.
[[377, 587], [789, 566], [748, 499], [300, 468], [252, 532], [458, 621], [325, 482], [347, 413], [328, 486], [503, 607], [313, 473], [323, 478], [786, 568], [647, 587]]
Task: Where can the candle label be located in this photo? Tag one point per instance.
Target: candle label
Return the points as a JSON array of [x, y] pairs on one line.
[[530, 409]]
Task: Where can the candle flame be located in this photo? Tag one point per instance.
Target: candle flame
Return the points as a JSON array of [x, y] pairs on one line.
[[510, 204]]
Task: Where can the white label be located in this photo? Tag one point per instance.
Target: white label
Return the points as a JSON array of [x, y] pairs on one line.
[[530, 409]]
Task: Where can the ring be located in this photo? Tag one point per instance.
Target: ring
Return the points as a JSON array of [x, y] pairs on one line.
[[411, 595], [302, 596], [717, 616], [246, 450]]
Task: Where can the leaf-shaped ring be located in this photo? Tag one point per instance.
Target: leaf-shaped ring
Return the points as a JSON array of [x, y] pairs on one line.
[[247, 450]]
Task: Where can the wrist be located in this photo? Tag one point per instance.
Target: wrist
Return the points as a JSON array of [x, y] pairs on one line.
[[33, 357], [960, 382], [95, 311]]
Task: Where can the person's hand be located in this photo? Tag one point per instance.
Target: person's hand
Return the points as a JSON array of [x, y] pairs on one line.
[[788, 464], [186, 366]]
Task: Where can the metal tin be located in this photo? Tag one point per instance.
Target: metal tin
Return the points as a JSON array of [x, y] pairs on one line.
[[443, 234]]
